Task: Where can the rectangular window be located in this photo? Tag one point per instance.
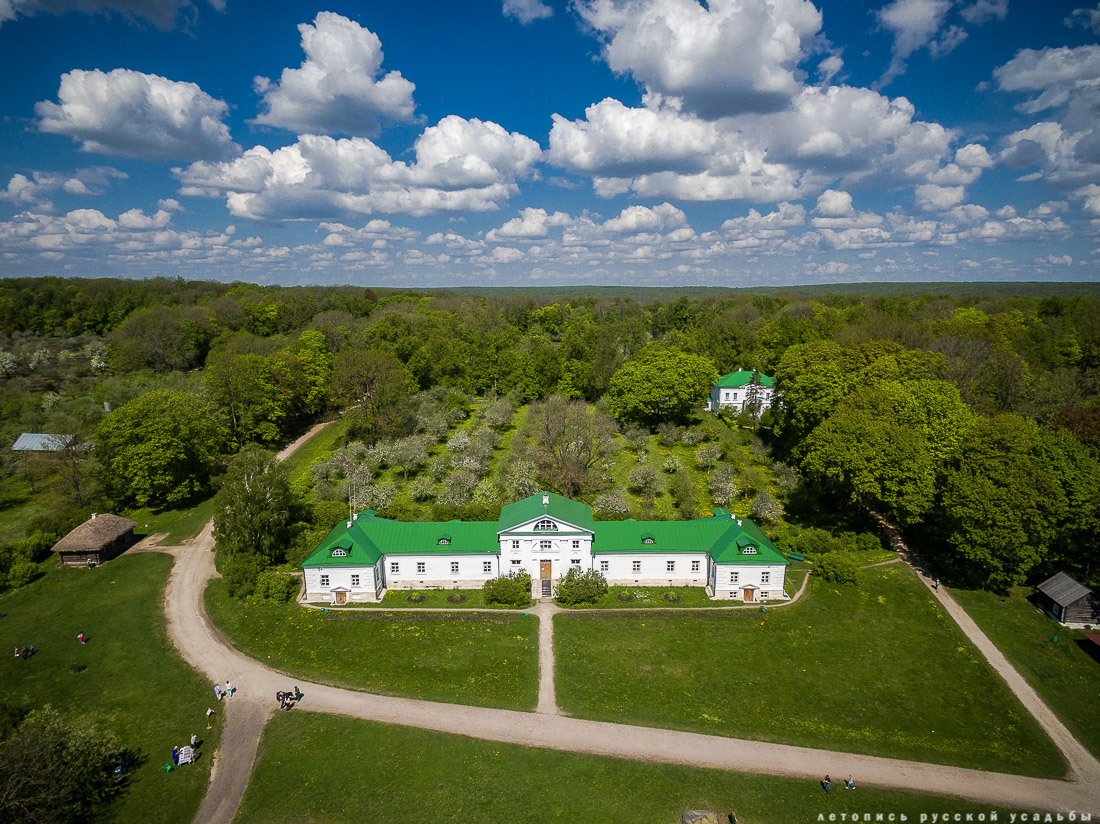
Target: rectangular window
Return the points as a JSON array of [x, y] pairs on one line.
[[544, 545], [421, 567], [355, 580], [515, 544], [454, 567], [765, 577], [694, 566], [324, 580], [603, 566], [635, 566], [487, 567], [670, 566], [394, 567], [515, 562], [735, 396], [575, 561], [576, 545], [727, 396], [733, 577]]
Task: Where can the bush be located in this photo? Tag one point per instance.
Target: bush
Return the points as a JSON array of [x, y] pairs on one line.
[[580, 587], [21, 573], [277, 585], [512, 590], [692, 436], [708, 455], [671, 464], [612, 506], [839, 568], [241, 572], [668, 434], [645, 478]]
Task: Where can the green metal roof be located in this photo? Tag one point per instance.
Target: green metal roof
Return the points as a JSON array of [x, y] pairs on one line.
[[527, 509], [735, 380], [370, 537]]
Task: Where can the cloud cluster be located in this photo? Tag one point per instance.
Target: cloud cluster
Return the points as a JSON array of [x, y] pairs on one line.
[[721, 58], [161, 13], [461, 165], [1064, 84], [36, 189], [339, 88], [527, 11], [131, 114]]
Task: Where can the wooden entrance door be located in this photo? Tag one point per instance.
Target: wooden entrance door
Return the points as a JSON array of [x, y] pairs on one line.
[[341, 598], [750, 594], [544, 574]]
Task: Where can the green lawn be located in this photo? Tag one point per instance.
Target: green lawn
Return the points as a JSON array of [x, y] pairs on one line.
[[398, 775], [485, 659], [433, 599], [1063, 673], [634, 597], [18, 507], [318, 448], [180, 524], [134, 682], [879, 670]]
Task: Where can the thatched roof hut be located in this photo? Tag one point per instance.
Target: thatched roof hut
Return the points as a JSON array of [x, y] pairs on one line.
[[98, 539]]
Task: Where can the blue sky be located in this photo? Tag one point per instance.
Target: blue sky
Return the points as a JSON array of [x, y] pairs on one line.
[[537, 142]]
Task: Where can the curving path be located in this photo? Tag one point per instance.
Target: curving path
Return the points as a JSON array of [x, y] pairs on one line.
[[253, 704]]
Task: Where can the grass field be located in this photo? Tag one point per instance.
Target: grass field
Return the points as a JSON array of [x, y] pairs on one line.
[[180, 524], [1066, 674], [134, 684], [400, 775], [318, 448], [433, 599], [484, 659], [18, 507], [879, 670]]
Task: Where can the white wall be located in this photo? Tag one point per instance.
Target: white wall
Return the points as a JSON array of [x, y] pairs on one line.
[[365, 590], [437, 572], [653, 568], [751, 574]]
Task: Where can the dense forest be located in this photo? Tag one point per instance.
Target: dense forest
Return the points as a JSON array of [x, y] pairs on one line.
[[972, 422]]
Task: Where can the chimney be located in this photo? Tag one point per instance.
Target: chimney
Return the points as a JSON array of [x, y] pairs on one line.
[[546, 499], [93, 516], [349, 524], [355, 517]]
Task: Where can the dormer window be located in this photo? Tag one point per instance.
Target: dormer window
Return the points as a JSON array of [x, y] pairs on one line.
[[444, 541], [546, 523], [749, 550], [647, 540], [339, 553]]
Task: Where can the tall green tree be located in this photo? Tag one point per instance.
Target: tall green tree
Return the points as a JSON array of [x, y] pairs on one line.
[[377, 384], [254, 512], [160, 448], [571, 439], [56, 772], [660, 384]]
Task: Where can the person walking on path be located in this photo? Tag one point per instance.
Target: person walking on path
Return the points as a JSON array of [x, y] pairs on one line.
[[280, 696], [937, 585], [826, 783], [297, 694], [228, 688], [218, 691]]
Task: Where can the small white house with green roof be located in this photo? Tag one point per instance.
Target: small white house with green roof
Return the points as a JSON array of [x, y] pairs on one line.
[[740, 390], [545, 535]]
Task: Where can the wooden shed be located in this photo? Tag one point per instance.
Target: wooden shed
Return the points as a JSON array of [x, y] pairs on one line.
[[1068, 602], [98, 539]]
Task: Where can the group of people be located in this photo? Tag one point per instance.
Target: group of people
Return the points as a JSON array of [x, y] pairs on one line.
[[849, 783], [288, 699], [219, 691], [26, 652], [177, 751]]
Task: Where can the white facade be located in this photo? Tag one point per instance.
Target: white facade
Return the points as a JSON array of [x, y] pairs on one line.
[[747, 582], [653, 569], [438, 571], [734, 399]]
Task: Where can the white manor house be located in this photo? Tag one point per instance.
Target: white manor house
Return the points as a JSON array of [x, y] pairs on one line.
[[546, 535]]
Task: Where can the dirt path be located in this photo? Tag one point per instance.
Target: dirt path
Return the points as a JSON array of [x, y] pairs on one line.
[[248, 710]]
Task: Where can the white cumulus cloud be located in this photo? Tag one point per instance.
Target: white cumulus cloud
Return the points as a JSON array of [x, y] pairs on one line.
[[339, 88], [527, 11], [723, 57], [132, 114]]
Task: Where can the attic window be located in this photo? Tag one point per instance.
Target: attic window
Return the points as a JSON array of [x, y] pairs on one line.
[[647, 540], [339, 553], [444, 541], [749, 550], [546, 523]]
